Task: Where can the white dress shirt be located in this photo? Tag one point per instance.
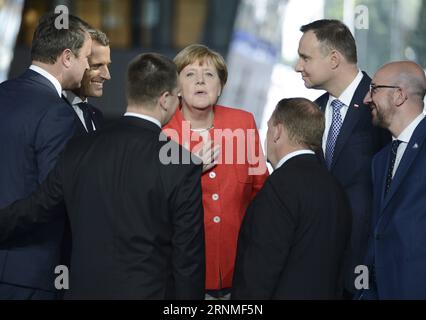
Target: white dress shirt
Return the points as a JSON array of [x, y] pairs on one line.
[[292, 155], [405, 137], [142, 116], [346, 98], [49, 77]]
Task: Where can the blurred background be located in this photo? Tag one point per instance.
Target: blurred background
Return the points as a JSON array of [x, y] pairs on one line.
[[258, 38]]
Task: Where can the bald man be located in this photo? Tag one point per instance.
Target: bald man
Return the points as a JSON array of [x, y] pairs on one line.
[[396, 256]]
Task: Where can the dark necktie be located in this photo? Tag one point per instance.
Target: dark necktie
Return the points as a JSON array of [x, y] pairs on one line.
[[394, 149], [87, 115], [333, 133]]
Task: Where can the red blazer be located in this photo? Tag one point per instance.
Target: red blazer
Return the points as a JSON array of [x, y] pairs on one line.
[[228, 187]]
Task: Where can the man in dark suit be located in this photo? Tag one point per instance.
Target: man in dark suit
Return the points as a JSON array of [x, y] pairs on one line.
[[136, 221], [35, 124], [296, 232], [328, 61], [89, 118], [397, 246]]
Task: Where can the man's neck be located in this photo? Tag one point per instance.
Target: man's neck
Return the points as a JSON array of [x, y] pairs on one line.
[[50, 68], [79, 94], [285, 151], [199, 118], [144, 111], [342, 80], [400, 124]]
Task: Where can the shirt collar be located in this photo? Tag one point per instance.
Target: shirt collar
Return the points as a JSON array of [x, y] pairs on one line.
[[292, 155], [346, 96], [406, 134], [143, 116], [49, 77], [72, 97]]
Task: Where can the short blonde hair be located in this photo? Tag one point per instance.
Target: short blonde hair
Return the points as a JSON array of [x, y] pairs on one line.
[[199, 52]]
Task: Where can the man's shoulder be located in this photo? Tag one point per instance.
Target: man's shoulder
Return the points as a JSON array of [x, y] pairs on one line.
[[29, 88], [363, 86], [365, 77], [322, 100], [301, 171]]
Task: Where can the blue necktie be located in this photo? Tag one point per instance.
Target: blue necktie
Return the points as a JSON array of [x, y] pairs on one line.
[[394, 149], [333, 133]]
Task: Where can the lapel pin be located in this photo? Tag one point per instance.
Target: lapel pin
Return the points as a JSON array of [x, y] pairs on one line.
[[416, 146], [356, 105]]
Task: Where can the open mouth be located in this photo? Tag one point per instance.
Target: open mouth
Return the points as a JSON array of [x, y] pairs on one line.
[[98, 84], [200, 93]]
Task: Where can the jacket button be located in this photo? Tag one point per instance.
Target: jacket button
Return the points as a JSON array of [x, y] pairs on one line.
[[216, 219], [215, 197]]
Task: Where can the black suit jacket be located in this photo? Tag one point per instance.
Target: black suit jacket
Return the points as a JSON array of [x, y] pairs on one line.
[[137, 224], [294, 236], [357, 143], [35, 125], [97, 118]]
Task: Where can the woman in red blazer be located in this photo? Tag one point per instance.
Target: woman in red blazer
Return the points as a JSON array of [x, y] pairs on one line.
[[229, 137]]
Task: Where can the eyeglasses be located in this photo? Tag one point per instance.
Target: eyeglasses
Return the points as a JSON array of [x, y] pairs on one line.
[[374, 87]]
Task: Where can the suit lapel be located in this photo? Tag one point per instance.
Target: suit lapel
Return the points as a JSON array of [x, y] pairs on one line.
[[352, 116], [351, 119], [380, 168], [379, 175], [80, 129], [97, 117], [411, 152], [322, 101]]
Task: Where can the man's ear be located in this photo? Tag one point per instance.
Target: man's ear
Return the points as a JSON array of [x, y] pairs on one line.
[[400, 96], [65, 58], [163, 100], [278, 131], [335, 58]]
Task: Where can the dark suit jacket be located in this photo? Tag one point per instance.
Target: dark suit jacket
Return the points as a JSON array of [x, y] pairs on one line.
[[397, 245], [80, 130], [137, 224], [97, 117], [35, 124], [294, 236], [356, 145]]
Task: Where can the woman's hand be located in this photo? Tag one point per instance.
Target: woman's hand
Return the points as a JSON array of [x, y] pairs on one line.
[[207, 153]]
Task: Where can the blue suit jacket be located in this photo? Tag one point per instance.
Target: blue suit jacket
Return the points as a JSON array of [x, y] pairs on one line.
[[357, 143], [397, 245], [35, 124]]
